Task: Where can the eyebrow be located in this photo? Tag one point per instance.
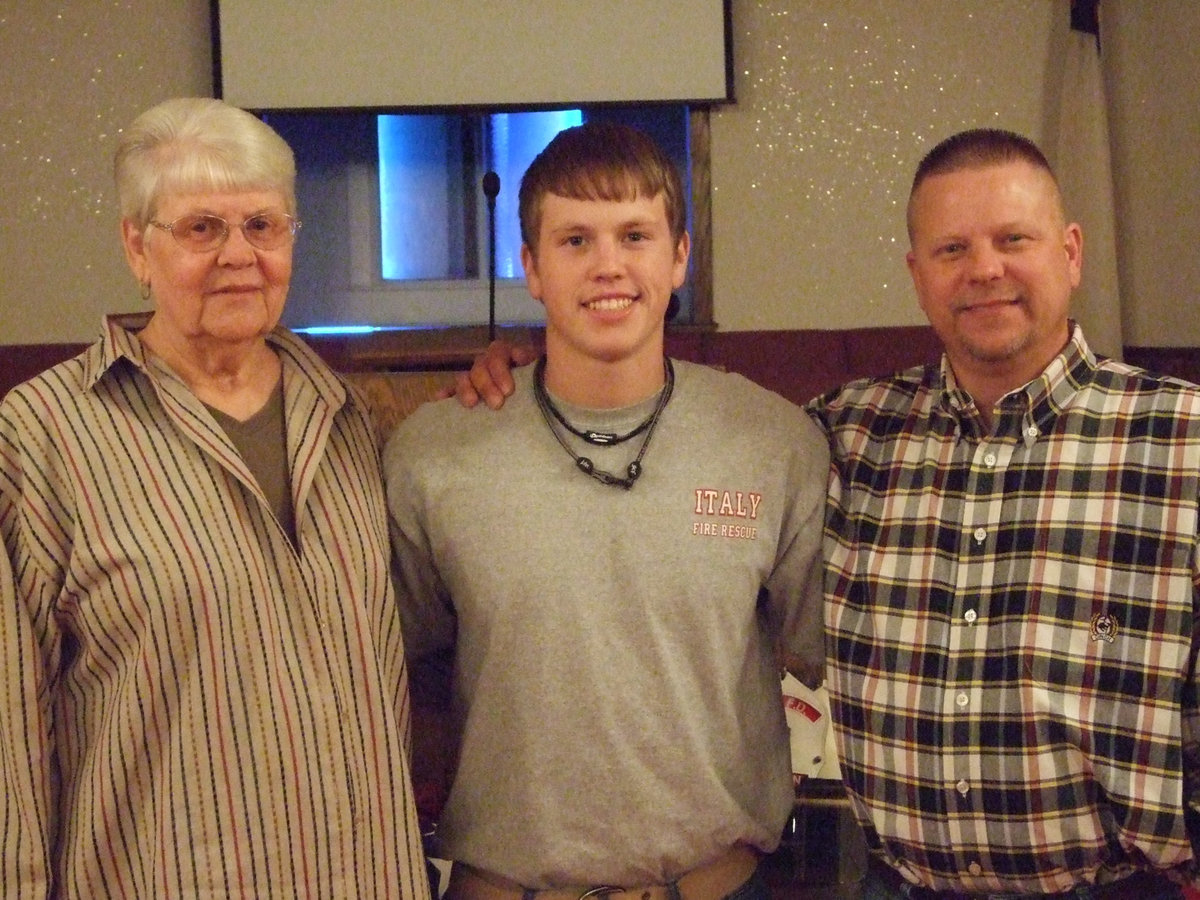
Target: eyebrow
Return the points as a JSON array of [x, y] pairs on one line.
[[624, 224]]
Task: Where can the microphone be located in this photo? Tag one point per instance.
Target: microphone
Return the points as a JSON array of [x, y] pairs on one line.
[[491, 187]]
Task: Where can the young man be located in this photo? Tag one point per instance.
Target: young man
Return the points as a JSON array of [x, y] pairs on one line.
[[1012, 623], [614, 561]]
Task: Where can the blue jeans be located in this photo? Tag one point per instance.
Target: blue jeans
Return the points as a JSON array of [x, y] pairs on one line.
[[875, 889]]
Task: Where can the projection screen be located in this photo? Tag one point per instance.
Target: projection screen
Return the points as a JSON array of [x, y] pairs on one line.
[[400, 54]]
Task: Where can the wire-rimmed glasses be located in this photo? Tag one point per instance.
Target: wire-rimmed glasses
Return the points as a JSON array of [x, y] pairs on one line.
[[201, 233]]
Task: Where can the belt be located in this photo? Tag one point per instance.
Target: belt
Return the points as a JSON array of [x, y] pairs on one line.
[[1139, 884], [711, 881]]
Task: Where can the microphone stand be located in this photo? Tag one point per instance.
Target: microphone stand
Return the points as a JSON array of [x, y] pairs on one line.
[[491, 187]]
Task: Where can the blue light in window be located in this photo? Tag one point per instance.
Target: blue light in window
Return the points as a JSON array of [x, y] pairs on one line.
[[422, 193], [516, 138], [322, 330], [418, 192]]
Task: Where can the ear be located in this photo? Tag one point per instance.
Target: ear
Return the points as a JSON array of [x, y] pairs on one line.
[[682, 250], [914, 272], [1073, 245], [133, 239], [532, 281]]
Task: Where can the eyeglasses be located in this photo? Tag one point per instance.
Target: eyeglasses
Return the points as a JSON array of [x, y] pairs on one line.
[[199, 233]]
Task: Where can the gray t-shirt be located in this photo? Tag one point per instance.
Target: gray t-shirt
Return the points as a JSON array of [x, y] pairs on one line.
[[615, 679]]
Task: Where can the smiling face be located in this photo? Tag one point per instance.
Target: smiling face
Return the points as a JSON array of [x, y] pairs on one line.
[[604, 270], [228, 296], [994, 265]]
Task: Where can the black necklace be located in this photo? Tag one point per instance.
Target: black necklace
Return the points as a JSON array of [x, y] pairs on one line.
[[551, 414], [598, 438]]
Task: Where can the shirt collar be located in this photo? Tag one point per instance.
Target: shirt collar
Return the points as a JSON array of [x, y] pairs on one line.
[[120, 341], [1031, 410]]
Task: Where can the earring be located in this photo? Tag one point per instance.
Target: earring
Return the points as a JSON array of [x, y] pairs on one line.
[[146, 289]]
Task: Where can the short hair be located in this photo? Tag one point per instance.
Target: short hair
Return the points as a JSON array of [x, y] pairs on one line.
[[977, 148], [600, 161], [198, 144]]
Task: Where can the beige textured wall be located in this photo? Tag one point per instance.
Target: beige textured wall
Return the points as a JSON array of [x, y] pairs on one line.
[[1152, 75], [837, 100], [75, 73]]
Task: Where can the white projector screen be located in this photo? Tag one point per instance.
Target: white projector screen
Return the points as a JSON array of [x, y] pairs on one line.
[[400, 54]]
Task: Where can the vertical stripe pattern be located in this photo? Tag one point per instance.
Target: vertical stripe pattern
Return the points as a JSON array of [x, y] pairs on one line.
[[193, 706]]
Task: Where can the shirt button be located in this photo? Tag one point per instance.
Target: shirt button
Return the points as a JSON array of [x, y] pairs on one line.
[[975, 868], [963, 787], [961, 700], [980, 534], [1031, 431], [989, 460], [970, 615]]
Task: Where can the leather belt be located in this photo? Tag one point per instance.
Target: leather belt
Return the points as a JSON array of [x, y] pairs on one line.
[[1139, 884], [711, 881]]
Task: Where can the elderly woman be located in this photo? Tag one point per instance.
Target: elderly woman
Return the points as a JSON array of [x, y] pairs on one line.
[[204, 684]]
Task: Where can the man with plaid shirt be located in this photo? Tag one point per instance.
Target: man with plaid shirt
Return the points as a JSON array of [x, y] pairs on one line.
[[1012, 570]]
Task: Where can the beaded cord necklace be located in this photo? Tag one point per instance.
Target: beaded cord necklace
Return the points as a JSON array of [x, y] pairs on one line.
[[601, 438]]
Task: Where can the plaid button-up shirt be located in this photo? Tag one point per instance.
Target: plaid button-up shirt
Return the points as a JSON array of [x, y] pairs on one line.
[[1012, 622]]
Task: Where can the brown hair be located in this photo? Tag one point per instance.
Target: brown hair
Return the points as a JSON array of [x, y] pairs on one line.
[[974, 149], [600, 161]]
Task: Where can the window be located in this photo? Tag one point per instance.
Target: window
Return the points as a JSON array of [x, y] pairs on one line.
[[422, 162], [396, 223]]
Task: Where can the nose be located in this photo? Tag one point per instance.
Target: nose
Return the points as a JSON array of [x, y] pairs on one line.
[[606, 261], [236, 251], [986, 263]]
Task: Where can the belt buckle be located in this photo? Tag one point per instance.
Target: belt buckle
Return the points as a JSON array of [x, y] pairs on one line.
[[600, 891]]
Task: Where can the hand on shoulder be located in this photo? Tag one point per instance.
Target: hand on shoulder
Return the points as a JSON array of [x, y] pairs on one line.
[[490, 378]]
